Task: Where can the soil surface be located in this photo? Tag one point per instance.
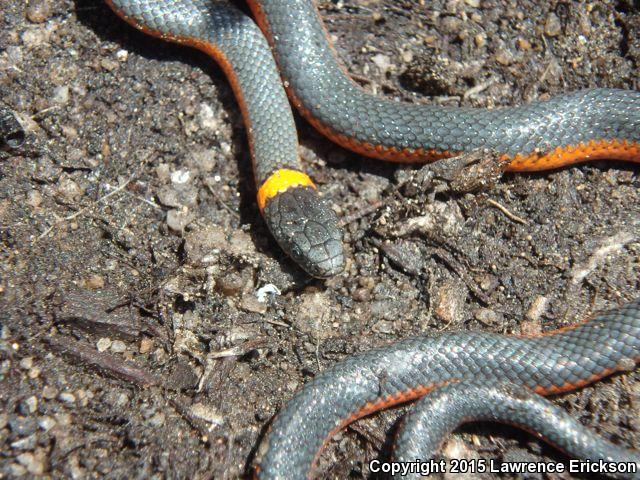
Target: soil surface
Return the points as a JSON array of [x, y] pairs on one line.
[[132, 252]]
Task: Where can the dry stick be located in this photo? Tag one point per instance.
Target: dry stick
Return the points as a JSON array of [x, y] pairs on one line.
[[478, 88], [103, 362], [358, 214], [93, 204], [82, 210], [608, 246], [115, 367], [504, 210], [217, 198]]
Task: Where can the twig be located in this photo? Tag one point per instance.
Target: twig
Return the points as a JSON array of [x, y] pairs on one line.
[[82, 210], [478, 88], [607, 247], [358, 214], [103, 362], [222, 203], [504, 210]]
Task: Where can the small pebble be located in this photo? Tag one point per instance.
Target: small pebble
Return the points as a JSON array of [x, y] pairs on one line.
[[180, 177], [537, 308], [206, 413], [103, 344], [109, 64], [33, 463], [524, 44], [178, 196], [552, 26], [122, 55], [27, 443], [67, 397], [49, 392], [122, 400], [61, 95], [488, 282], [382, 62], [69, 190], [46, 423], [207, 118], [449, 300], [118, 346], [31, 404], [486, 316], [362, 295], [157, 420], [33, 38], [94, 282], [34, 199], [26, 363], [504, 57], [146, 345], [17, 470], [177, 220], [250, 303], [38, 11], [383, 326], [204, 160], [451, 25]]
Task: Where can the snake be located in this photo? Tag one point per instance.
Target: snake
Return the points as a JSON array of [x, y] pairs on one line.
[[444, 409], [589, 124], [552, 363], [284, 56]]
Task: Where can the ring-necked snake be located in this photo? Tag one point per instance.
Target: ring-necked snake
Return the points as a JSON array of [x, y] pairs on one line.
[[361, 384], [589, 124], [444, 409]]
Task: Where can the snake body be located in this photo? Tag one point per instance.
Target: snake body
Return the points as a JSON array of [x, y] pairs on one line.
[[589, 124], [302, 223], [583, 125], [444, 409], [409, 369]]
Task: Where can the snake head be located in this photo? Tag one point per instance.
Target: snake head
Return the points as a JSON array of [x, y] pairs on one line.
[[307, 229]]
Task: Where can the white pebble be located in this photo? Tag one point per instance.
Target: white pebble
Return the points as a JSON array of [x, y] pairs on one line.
[[118, 346], [103, 344]]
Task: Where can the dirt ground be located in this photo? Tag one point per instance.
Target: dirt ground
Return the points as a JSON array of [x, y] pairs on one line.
[[133, 344]]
